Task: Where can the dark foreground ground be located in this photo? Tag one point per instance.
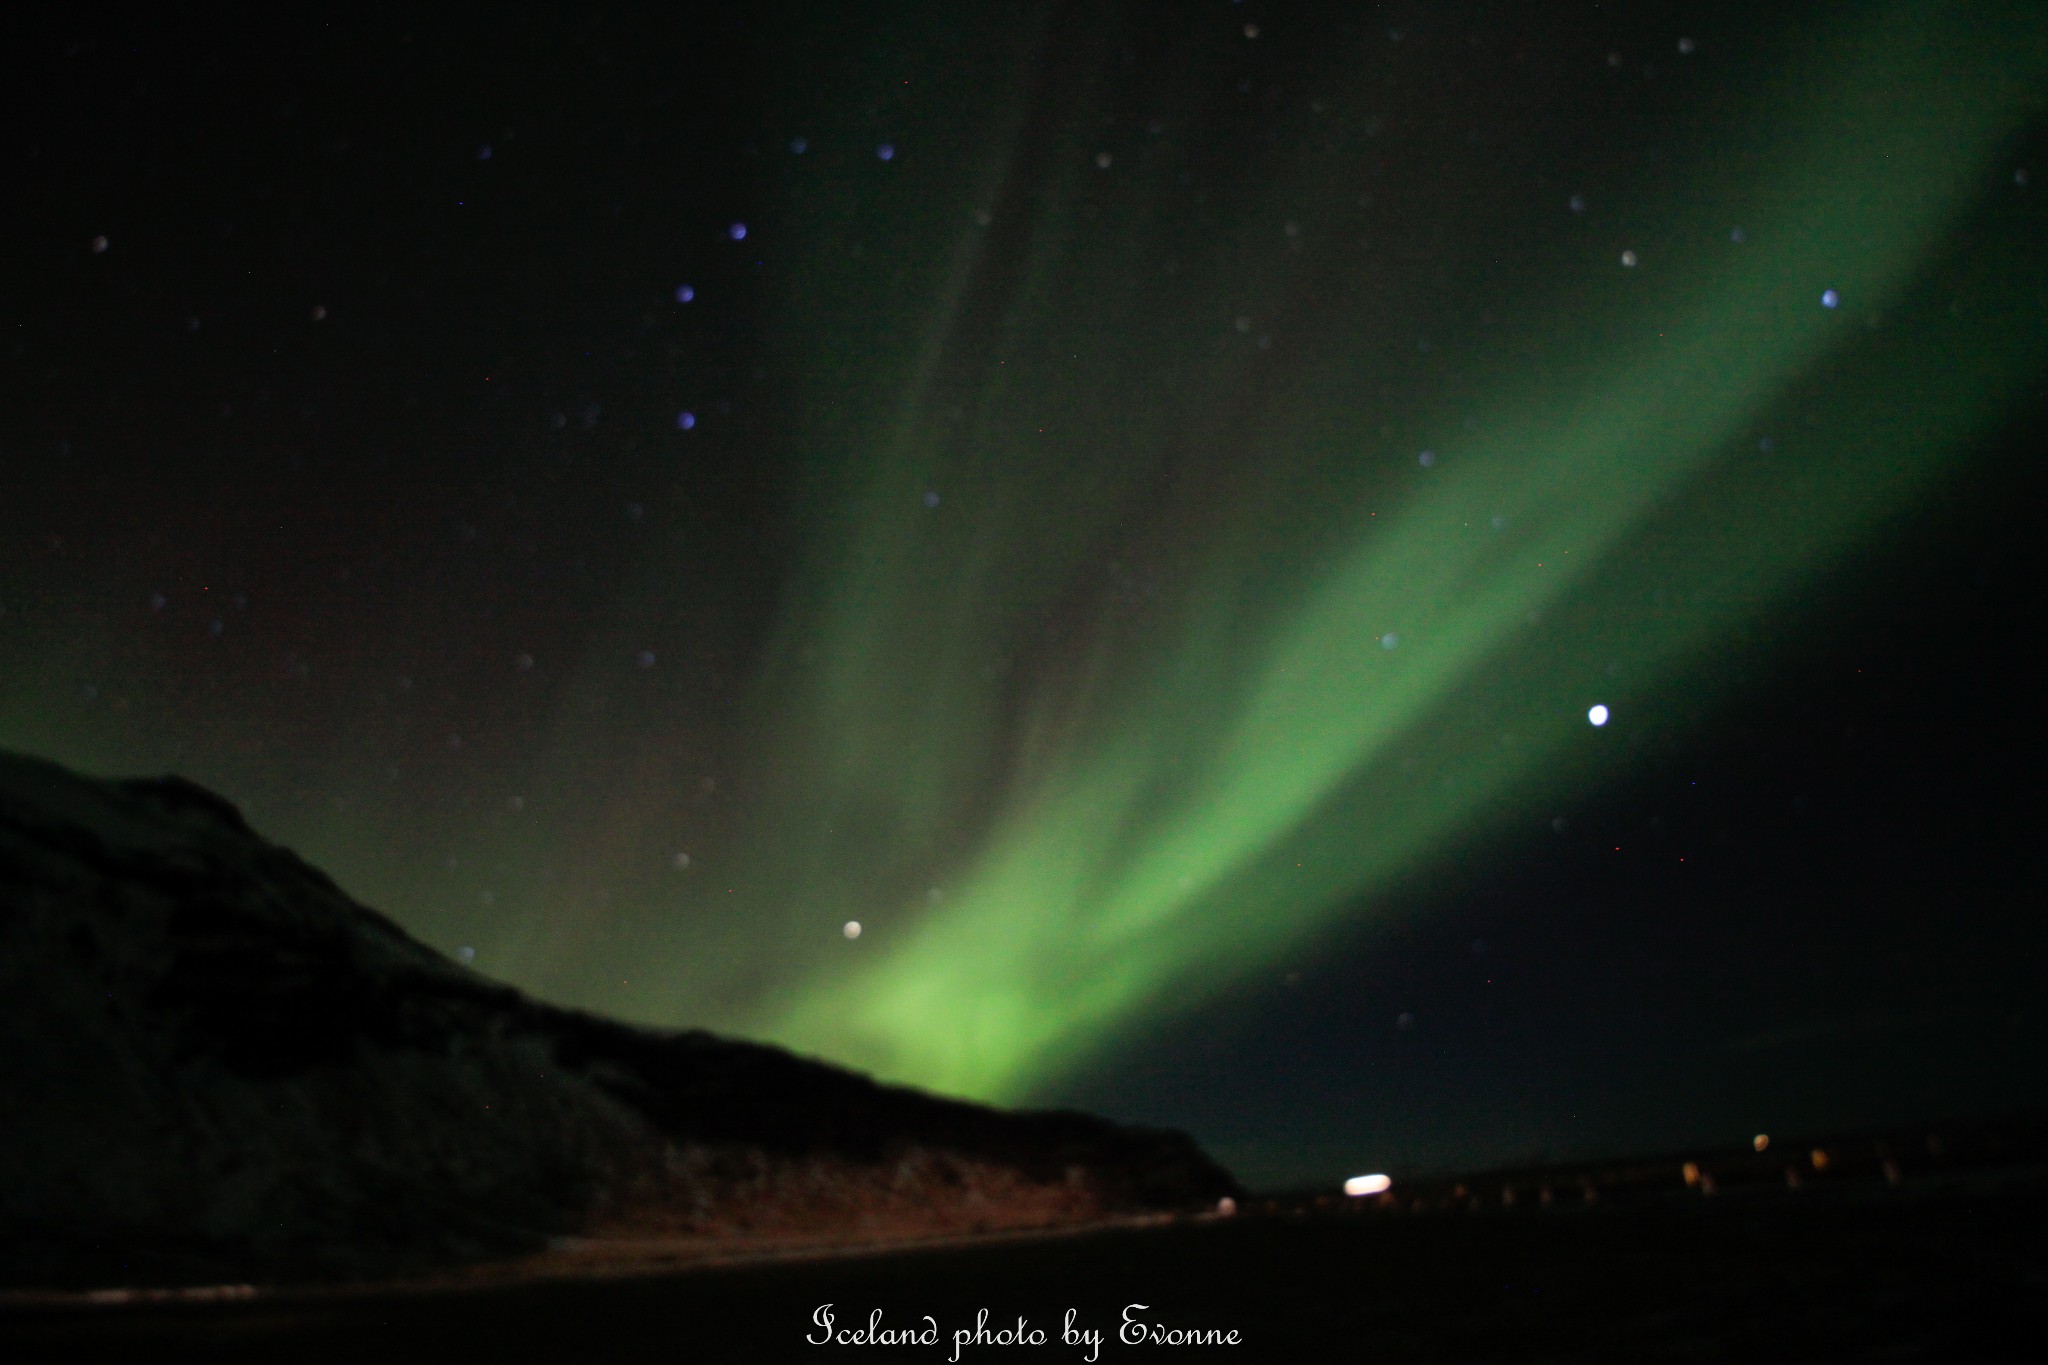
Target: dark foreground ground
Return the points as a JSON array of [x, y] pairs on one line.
[[1950, 1266]]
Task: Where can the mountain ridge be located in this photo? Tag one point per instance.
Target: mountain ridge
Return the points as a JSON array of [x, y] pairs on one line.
[[218, 1065]]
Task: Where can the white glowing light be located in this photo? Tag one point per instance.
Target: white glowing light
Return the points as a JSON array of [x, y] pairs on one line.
[[1597, 716], [852, 929], [1360, 1185]]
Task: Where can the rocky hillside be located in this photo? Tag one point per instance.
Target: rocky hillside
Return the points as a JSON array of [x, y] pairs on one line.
[[215, 1065]]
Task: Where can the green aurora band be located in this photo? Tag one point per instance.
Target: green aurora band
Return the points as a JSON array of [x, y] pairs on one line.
[[1188, 798]]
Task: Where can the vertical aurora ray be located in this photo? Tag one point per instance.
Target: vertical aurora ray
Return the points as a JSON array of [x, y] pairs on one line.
[[1328, 691]]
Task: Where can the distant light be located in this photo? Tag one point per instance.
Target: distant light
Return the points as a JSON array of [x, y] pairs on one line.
[[1760, 1141], [1226, 1207], [1628, 258], [99, 244], [851, 928], [1359, 1186], [1819, 1157], [685, 420], [1830, 299], [1597, 716], [1691, 1172], [738, 232], [684, 293], [887, 151]]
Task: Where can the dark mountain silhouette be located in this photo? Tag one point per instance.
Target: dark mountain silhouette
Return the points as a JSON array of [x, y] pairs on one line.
[[215, 1065]]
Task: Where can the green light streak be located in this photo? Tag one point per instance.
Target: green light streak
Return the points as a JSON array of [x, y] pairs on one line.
[[1186, 800]]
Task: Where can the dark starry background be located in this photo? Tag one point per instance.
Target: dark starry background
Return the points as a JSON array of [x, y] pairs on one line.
[[330, 476]]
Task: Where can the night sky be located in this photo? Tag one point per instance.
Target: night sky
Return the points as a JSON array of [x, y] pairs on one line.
[[1069, 554]]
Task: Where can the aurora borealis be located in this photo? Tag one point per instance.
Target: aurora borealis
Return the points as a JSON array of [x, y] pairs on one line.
[[1237, 742], [1106, 498]]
